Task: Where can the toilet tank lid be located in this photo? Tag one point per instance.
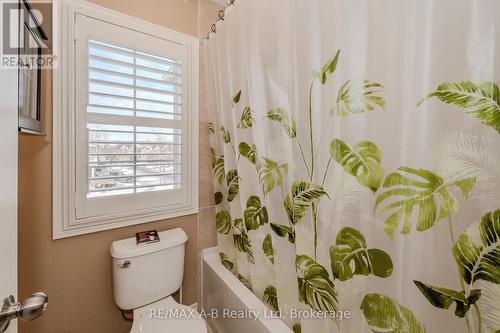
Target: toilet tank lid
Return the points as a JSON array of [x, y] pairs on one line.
[[128, 248]]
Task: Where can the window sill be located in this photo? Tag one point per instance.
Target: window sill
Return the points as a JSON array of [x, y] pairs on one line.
[[81, 227]]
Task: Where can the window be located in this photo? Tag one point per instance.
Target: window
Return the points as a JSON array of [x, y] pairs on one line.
[[125, 152], [129, 85]]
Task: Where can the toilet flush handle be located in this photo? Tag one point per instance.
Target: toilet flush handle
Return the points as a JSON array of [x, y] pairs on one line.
[[124, 264]]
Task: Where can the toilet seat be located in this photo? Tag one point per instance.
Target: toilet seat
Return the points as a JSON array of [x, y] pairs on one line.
[[165, 316]]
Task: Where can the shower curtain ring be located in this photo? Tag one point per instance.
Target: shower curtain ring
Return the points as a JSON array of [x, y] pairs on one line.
[[221, 15], [214, 30]]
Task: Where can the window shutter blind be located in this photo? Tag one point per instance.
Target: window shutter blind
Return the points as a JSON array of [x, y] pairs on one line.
[[134, 115]]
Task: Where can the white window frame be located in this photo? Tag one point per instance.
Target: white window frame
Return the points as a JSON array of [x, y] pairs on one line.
[[65, 221]]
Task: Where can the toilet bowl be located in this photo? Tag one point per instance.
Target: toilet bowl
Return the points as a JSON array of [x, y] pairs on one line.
[[165, 316], [144, 278]]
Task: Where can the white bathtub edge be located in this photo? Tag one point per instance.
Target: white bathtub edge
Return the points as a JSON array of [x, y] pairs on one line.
[[211, 257]]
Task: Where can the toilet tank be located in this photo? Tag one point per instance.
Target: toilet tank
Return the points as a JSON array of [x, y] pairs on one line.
[[145, 273]]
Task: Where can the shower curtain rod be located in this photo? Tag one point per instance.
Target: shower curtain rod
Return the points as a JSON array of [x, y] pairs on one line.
[[221, 18]]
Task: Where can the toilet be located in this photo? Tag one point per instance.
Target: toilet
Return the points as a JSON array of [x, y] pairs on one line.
[[144, 278]]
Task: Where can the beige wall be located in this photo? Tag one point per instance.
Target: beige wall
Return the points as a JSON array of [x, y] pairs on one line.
[[76, 271], [180, 15]]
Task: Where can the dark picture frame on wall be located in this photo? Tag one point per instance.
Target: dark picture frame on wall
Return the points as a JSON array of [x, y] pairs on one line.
[[31, 37]]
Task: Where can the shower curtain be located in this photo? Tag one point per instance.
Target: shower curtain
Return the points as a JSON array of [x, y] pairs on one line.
[[356, 161]]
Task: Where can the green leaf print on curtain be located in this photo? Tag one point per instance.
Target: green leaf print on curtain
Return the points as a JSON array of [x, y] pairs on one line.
[[424, 192], [246, 281], [246, 118], [223, 222], [255, 214], [233, 184], [477, 254], [226, 136], [267, 248], [283, 231], [271, 174], [211, 128], [213, 156], [442, 298], [358, 96], [241, 241], [480, 100], [477, 251], [328, 68], [361, 161], [236, 97], [218, 166], [239, 226], [218, 197], [285, 120], [315, 287], [225, 261], [303, 195], [383, 314], [250, 152], [271, 297], [351, 256]]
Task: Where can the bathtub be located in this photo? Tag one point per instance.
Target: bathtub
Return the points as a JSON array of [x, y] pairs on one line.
[[222, 292]]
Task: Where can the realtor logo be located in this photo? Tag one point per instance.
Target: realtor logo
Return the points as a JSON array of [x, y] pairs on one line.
[[25, 31]]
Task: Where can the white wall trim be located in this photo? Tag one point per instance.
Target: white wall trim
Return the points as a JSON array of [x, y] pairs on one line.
[[64, 219]]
